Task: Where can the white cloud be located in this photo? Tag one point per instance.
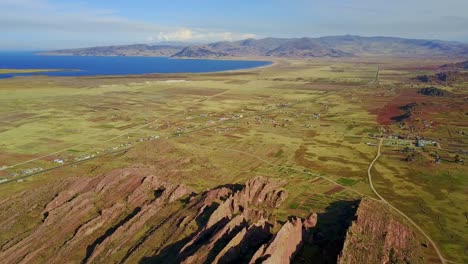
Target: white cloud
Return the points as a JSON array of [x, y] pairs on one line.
[[77, 25], [248, 36], [182, 34], [200, 35]]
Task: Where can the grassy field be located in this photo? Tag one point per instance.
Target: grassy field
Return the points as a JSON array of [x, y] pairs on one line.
[[308, 121]]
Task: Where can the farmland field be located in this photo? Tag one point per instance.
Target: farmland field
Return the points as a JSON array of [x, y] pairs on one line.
[[314, 122]]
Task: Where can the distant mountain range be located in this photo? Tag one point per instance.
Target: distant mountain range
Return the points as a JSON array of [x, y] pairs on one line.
[[334, 46]]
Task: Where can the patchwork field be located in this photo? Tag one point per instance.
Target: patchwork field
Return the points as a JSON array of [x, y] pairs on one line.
[[312, 122]]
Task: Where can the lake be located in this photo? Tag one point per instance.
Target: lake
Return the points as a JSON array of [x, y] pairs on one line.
[[99, 65]]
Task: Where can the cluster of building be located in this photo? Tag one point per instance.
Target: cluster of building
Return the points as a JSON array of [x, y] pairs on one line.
[[316, 115], [62, 161], [31, 170], [423, 143]]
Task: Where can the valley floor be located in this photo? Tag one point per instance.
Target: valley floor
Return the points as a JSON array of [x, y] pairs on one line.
[[315, 124]]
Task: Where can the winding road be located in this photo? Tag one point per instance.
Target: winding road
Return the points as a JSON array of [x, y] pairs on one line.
[[280, 166], [381, 199], [377, 156]]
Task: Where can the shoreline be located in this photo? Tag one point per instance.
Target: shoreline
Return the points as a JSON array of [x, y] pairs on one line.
[[12, 73]]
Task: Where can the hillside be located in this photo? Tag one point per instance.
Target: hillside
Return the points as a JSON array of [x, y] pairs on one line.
[[334, 46], [306, 47], [225, 167], [199, 51], [126, 50], [143, 217]]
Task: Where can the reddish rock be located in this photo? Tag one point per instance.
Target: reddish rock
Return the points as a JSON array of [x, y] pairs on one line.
[[259, 191], [127, 214], [311, 221], [378, 236], [224, 210], [262, 191], [92, 207], [245, 242], [284, 245], [222, 235]]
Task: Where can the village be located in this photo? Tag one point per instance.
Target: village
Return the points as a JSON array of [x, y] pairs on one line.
[[286, 116]]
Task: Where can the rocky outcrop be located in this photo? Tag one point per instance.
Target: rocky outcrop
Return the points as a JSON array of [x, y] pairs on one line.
[[244, 242], [137, 215], [433, 91], [286, 242], [240, 229], [128, 213], [94, 213], [235, 222], [311, 221], [445, 78], [262, 191], [455, 66], [377, 236]]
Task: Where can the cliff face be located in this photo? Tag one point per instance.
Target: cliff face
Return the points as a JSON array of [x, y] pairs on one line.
[[127, 214], [136, 215], [377, 236], [95, 217], [240, 226]]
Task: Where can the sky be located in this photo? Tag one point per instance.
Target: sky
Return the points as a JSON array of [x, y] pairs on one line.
[[53, 24]]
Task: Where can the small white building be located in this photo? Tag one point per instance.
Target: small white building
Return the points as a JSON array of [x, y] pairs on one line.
[[59, 161]]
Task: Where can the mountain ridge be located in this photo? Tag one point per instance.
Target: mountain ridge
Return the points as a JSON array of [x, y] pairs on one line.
[[329, 46]]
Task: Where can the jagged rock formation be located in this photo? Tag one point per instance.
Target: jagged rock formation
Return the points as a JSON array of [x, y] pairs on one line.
[[93, 214], [127, 214], [377, 236], [137, 215], [239, 221], [284, 245], [410, 110]]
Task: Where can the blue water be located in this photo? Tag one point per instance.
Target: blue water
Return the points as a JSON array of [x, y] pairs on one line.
[[97, 65]]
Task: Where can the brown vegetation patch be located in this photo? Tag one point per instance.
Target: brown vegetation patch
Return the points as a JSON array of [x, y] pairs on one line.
[[334, 190], [98, 119], [409, 104], [6, 157], [312, 133], [14, 117], [188, 91], [237, 82], [232, 136], [313, 87], [300, 158]]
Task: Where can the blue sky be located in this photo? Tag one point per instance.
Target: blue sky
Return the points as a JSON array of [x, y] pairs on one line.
[[51, 24]]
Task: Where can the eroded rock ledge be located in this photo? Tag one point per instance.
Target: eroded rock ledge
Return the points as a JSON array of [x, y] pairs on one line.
[[135, 215]]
